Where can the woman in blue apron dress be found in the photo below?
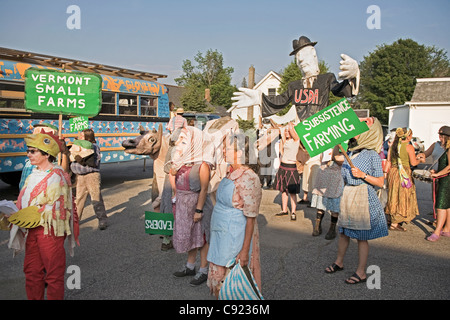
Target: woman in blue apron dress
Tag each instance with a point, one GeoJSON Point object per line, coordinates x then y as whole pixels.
{"type": "Point", "coordinates": [234, 232]}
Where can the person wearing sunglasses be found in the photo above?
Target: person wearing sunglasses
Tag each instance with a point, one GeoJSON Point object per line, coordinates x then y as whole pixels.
{"type": "Point", "coordinates": [28, 167]}
{"type": "Point", "coordinates": [48, 190]}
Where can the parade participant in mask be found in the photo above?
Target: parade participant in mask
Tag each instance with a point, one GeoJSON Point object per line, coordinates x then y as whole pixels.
{"type": "Point", "coordinates": [190, 164]}
{"type": "Point", "coordinates": [46, 199]}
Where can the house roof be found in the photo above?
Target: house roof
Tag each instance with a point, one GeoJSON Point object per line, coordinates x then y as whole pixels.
{"type": "Point", "coordinates": [267, 76]}
{"type": "Point", "coordinates": [431, 90]}
{"type": "Point", "coordinates": [175, 93]}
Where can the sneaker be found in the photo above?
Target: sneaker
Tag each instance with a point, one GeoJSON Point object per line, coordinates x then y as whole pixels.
{"type": "Point", "coordinates": [184, 272]}
{"type": "Point", "coordinates": [199, 278]}
{"type": "Point", "coordinates": [102, 226]}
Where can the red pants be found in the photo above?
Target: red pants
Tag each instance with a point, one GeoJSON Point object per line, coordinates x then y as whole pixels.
{"type": "Point", "coordinates": [45, 262]}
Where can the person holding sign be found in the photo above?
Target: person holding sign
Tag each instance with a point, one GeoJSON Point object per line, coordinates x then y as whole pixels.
{"type": "Point", "coordinates": [234, 229]}
{"type": "Point", "coordinates": [88, 181]}
{"type": "Point", "coordinates": [311, 93]}
{"type": "Point", "coordinates": [287, 179]}
{"type": "Point", "coordinates": [402, 199]}
{"type": "Point", "coordinates": [190, 164]}
{"type": "Point", "coordinates": [361, 215]}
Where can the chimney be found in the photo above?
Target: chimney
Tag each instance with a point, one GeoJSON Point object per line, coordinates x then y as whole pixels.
{"type": "Point", "coordinates": [251, 84]}
{"type": "Point", "coordinates": [207, 95]}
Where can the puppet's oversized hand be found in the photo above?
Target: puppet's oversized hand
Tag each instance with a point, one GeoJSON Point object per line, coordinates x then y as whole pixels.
{"type": "Point", "coordinates": [245, 98]}
{"type": "Point", "coordinates": [349, 68]}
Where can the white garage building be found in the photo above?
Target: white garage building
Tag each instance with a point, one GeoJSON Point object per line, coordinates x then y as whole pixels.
{"type": "Point", "coordinates": [428, 110]}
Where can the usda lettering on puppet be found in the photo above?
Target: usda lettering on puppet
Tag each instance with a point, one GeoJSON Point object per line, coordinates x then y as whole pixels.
{"type": "Point", "coordinates": [71, 93]}
{"type": "Point", "coordinates": [329, 127]}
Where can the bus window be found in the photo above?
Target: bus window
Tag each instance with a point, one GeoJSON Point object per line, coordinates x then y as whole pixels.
{"type": "Point", "coordinates": [148, 106]}
{"type": "Point", "coordinates": [12, 96]}
{"type": "Point", "coordinates": [127, 104]}
{"type": "Point", "coordinates": [108, 103]}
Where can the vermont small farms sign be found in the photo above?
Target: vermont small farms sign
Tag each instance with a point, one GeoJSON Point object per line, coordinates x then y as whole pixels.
{"type": "Point", "coordinates": [330, 127]}
{"type": "Point", "coordinates": [159, 223]}
{"type": "Point", "coordinates": [70, 93]}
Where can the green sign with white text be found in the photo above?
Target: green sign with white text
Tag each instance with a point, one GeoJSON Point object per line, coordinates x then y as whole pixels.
{"type": "Point", "coordinates": [78, 124]}
{"type": "Point", "coordinates": [159, 223]}
{"type": "Point", "coordinates": [330, 127]}
{"type": "Point", "coordinates": [56, 92]}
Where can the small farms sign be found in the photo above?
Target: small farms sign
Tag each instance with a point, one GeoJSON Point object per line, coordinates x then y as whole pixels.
{"type": "Point", "coordinates": [79, 123]}
{"type": "Point", "coordinates": [329, 127]}
{"type": "Point", "coordinates": [56, 92]}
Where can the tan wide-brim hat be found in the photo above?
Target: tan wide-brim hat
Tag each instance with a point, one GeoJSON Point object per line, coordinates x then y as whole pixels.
{"type": "Point", "coordinates": [179, 111]}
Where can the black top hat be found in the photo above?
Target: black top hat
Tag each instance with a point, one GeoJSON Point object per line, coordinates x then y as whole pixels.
{"type": "Point", "coordinates": [300, 43]}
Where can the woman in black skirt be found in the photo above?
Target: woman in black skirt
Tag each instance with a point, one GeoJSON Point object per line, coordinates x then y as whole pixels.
{"type": "Point", "coordinates": [287, 178]}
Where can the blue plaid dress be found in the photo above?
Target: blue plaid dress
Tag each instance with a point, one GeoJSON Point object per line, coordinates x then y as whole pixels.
{"type": "Point", "coordinates": [370, 162]}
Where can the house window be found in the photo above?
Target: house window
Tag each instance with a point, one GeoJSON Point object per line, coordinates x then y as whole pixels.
{"type": "Point", "coordinates": [149, 106]}
{"type": "Point", "coordinates": [272, 92]}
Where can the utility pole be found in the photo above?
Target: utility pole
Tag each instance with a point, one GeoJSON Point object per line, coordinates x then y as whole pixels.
{"type": "Point", "coordinates": [251, 84]}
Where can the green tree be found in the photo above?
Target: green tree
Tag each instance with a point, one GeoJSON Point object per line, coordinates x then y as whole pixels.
{"type": "Point", "coordinates": [388, 75]}
{"type": "Point", "coordinates": [210, 73]}
{"type": "Point", "coordinates": [292, 73]}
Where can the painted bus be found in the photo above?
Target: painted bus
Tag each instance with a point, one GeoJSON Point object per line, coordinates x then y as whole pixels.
{"type": "Point", "coordinates": [130, 99]}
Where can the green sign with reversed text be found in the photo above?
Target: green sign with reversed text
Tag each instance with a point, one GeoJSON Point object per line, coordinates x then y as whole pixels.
{"type": "Point", "coordinates": [56, 92]}
{"type": "Point", "coordinates": [329, 127]}
{"type": "Point", "coordinates": [159, 223]}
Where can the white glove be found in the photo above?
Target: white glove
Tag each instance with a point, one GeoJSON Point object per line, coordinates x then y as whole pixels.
{"type": "Point", "coordinates": [245, 98]}
{"type": "Point", "coordinates": [349, 67]}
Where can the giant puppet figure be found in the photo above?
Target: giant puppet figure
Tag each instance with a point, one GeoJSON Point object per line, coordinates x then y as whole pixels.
{"type": "Point", "coordinates": [310, 94]}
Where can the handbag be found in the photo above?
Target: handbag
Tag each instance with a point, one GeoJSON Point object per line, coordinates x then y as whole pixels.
{"type": "Point", "coordinates": [239, 284]}
{"type": "Point", "coordinates": [354, 208]}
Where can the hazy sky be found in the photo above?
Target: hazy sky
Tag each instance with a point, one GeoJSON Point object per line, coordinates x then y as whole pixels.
{"type": "Point", "coordinates": [156, 36]}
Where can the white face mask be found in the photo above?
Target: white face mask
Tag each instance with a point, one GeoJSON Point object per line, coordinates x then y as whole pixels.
{"type": "Point", "coordinates": [307, 61]}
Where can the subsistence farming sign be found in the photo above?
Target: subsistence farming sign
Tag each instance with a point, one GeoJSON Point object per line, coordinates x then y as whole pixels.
{"type": "Point", "coordinates": [70, 93]}
{"type": "Point", "coordinates": [329, 127]}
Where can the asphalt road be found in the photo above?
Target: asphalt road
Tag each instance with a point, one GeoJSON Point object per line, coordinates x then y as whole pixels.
{"type": "Point", "coordinates": [124, 263]}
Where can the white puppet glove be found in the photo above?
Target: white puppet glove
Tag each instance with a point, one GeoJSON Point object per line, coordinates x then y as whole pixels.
{"type": "Point", "coordinates": [350, 70]}
{"type": "Point", "coordinates": [349, 67]}
{"type": "Point", "coordinates": [245, 98]}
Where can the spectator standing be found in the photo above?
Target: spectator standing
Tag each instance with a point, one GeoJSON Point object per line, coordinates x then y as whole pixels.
{"type": "Point", "coordinates": [442, 197]}
{"type": "Point", "coordinates": [287, 179]}
{"type": "Point", "coordinates": [402, 199]}
{"type": "Point", "coordinates": [178, 121]}
{"type": "Point", "coordinates": [327, 193]}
